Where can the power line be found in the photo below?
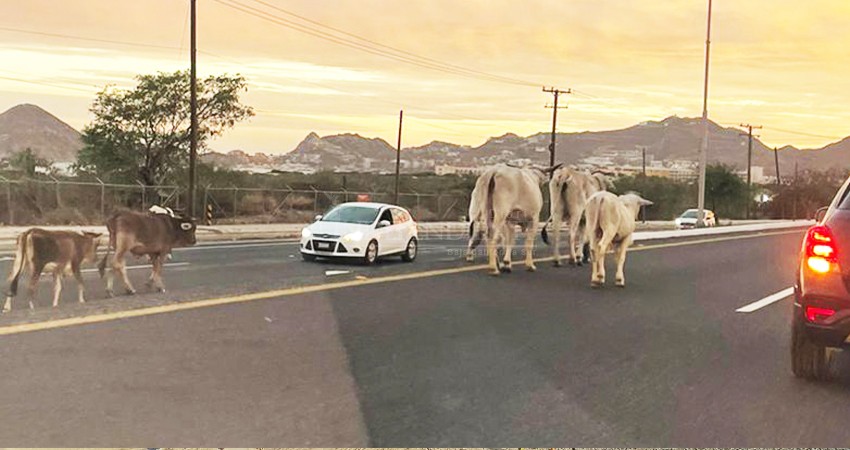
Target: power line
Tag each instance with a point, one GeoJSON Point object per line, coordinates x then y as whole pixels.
{"type": "Point", "coordinates": [42, 83]}
{"type": "Point", "coordinates": [395, 49]}
{"type": "Point", "coordinates": [802, 133]}
{"type": "Point", "coordinates": [89, 39]}
{"type": "Point", "coordinates": [371, 49]}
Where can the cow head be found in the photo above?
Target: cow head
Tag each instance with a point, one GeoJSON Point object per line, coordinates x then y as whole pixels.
{"type": "Point", "coordinates": [184, 231]}
{"type": "Point", "coordinates": [542, 173]}
{"type": "Point", "coordinates": [634, 202]}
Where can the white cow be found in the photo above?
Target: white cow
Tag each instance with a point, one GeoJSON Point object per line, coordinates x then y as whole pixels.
{"type": "Point", "coordinates": [611, 220]}
{"type": "Point", "coordinates": [505, 196]}
{"type": "Point", "coordinates": [569, 190]}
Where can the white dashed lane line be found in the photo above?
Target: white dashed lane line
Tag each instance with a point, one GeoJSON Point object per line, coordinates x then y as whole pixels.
{"type": "Point", "coordinates": [769, 300]}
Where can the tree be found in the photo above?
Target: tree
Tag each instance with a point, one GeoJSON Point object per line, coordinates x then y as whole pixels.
{"type": "Point", "coordinates": [143, 134]}
{"type": "Point", "coordinates": [27, 162]}
{"type": "Point", "coordinates": [725, 192]}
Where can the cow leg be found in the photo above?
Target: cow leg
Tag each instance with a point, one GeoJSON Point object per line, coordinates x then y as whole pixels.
{"type": "Point", "coordinates": [119, 265]}
{"type": "Point", "coordinates": [8, 305]}
{"type": "Point", "coordinates": [601, 250]}
{"type": "Point", "coordinates": [156, 273]}
{"type": "Point", "coordinates": [153, 259]}
{"type": "Point", "coordinates": [531, 229]}
{"type": "Point", "coordinates": [57, 286]}
{"type": "Point", "coordinates": [493, 235]}
{"type": "Point", "coordinates": [557, 217]}
{"type": "Point", "coordinates": [574, 239]}
{"type": "Point", "coordinates": [33, 286]}
{"type": "Point", "coordinates": [620, 279]}
{"type": "Point", "coordinates": [75, 268]}
{"type": "Point", "coordinates": [508, 246]}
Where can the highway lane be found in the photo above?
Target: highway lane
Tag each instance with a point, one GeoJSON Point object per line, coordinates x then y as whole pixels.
{"type": "Point", "coordinates": [454, 360]}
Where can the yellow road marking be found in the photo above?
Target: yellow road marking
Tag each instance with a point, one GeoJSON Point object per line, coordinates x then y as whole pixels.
{"type": "Point", "coordinates": [106, 317]}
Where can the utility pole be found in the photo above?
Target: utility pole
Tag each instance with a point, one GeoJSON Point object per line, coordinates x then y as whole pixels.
{"type": "Point", "coordinates": [704, 144]}
{"type": "Point", "coordinates": [398, 154]}
{"type": "Point", "coordinates": [193, 89]}
{"type": "Point", "coordinates": [749, 162]}
{"type": "Point", "coordinates": [776, 158]}
{"type": "Point", "coordinates": [643, 154]}
{"type": "Point", "coordinates": [556, 93]}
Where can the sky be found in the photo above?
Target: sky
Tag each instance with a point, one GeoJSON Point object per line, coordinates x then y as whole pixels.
{"type": "Point", "coordinates": [320, 65]}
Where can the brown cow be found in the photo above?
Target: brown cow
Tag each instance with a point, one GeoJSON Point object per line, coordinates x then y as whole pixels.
{"type": "Point", "coordinates": [65, 251]}
{"type": "Point", "coordinates": [151, 235]}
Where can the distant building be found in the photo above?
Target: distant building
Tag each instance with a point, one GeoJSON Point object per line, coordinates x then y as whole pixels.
{"type": "Point", "coordinates": [675, 173]}
{"type": "Point", "coordinates": [458, 170]}
{"type": "Point", "coordinates": [758, 175]}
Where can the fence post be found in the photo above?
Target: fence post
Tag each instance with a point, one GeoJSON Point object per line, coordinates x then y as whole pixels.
{"type": "Point", "coordinates": [235, 194]}
{"type": "Point", "coordinates": [315, 200]}
{"type": "Point", "coordinates": [9, 199]}
{"type": "Point", "coordinates": [58, 196]}
{"type": "Point", "coordinates": [102, 199]}
{"type": "Point", "coordinates": [144, 195]}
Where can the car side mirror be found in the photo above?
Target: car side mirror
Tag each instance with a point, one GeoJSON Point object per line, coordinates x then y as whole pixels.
{"type": "Point", "coordinates": [317, 218]}
{"type": "Point", "coordinates": [821, 213]}
{"type": "Point", "coordinates": [383, 224]}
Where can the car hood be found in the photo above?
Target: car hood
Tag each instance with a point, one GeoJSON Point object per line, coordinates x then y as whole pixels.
{"type": "Point", "coordinates": [336, 228]}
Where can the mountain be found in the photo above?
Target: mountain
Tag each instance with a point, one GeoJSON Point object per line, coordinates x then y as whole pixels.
{"type": "Point", "coordinates": [671, 140]}
{"type": "Point", "coordinates": [237, 159]}
{"type": "Point", "coordinates": [28, 126]}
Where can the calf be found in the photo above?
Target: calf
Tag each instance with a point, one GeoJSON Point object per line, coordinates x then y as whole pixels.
{"type": "Point", "coordinates": [62, 252]}
{"type": "Point", "coordinates": [569, 190]}
{"type": "Point", "coordinates": [503, 197]}
{"type": "Point", "coordinates": [151, 235]}
{"type": "Point", "coordinates": [611, 220]}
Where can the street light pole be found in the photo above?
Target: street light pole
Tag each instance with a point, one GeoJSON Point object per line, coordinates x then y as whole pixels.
{"type": "Point", "coordinates": [398, 154]}
{"type": "Point", "coordinates": [704, 144]}
{"type": "Point", "coordinates": [193, 88]}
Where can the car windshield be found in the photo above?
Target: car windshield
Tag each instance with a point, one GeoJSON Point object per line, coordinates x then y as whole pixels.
{"type": "Point", "coordinates": [362, 215]}
{"type": "Point", "coordinates": [689, 214]}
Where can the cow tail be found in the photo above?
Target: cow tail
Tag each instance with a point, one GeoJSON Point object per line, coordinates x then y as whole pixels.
{"type": "Point", "coordinates": [544, 234]}
{"type": "Point", "coordinates": [110, 227]}
{"type": "Point", "coordinates": [491, 187]}
{"type": "Point", "coordinates": [20, 258]}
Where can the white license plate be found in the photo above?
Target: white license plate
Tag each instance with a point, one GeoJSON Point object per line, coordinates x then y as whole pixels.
{"type": "Point", "coordinates": [323, 246]}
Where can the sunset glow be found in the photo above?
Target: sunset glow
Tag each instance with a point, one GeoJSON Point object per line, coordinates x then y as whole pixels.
{"type": "Point", "coordinates": [779, 63]}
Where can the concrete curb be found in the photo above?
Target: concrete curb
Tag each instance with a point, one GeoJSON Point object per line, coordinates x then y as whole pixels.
{"type": "Point", "coordinates": [648, 231]}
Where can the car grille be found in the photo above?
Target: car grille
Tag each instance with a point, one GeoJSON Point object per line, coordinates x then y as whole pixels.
{"type": "Point", "coordinates": [326, 236]}
{"type": "Point", "coordinates": [324, 246]}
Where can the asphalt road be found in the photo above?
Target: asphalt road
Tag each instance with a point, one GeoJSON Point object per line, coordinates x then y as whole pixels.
{"type": "Point", "coordinates": [453, 358]}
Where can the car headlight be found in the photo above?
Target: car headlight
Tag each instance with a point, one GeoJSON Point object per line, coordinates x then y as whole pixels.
{"type": "Point", "coordinates": [306, 233]}
{"type": "Point", "coordinates": [353, 237]}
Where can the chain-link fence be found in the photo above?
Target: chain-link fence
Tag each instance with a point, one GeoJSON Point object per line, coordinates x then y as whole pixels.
{"type": "Point", "coordinates": [59, 202]}
{"type": "Point", "coordinates": [235, 204]}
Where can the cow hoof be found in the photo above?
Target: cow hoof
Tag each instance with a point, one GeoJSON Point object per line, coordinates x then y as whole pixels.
{"type": "Point", "coordinates": [506, 268]}
{"type": "Point", "coordinates": [495, 273]}
{"type": "Point", "coordinates": [595, 284]}
{"type": "Point", "coordinates": [531, 268]}
{"type": "Point", "coordinates": [557, 263]}
{"type": "Point", "coordinates": [470, 259]}
{"type": "Point", "coordinates": [130, 292]}
{"type": "Point", "coordinates": [160, 290]}
{"type": "Point", "coordinates": [109, 293]}
{"type": "Point", "coordinates": [620, 283]}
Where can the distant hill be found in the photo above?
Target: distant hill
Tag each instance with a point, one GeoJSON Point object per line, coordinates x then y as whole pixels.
{"type": "Point", "coordinates": [28, 126]}
{"type": "Point", "coordinates": [673, 138]}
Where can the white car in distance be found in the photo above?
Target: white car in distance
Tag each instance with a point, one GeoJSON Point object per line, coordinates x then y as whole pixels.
{"type": "Point", "coordinates": [688, 219]}
{"type": "Point", "coordinates": [361, 230]}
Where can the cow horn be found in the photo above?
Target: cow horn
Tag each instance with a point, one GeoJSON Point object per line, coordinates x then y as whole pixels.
{"type": "Point", "coordinates": [553, 168]}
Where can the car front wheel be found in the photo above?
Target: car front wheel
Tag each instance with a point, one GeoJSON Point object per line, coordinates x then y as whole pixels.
{"type": "Point", "coordinates": [808, 360]}
{"type": "Point", "coordinates": [410, 252]}
{"type": "Point", "coordinates": [371, 253]}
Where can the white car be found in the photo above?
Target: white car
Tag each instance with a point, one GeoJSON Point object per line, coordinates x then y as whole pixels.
{"type": "Point", "coordinates": [361, 230]}
{"type": "Point", "coordinates": [688, 219]}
